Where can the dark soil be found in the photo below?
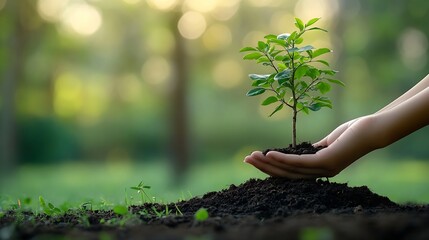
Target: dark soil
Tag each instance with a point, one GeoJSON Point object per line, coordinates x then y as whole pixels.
{"type": "Point", "coordinates": [302, 148]}
{"type": "Point", "coordinates": [273, 208]}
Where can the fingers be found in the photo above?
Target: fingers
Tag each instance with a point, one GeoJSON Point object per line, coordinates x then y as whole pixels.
{"type": "Point", "coordinates": [276, 166]}
{"type": "Point", "coordinates": [321, 143]}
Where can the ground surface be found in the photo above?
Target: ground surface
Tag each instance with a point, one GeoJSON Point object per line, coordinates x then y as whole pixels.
{"type": "Point", "coordinates": [257, 209]}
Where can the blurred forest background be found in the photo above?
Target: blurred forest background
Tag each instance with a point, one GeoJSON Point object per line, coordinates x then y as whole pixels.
{"type": "Point", "coordinates": [157, 88]}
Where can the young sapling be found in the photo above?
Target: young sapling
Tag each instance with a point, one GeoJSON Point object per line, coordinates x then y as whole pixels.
{"type": "Point", "coordinates": [299, 76]}
{"type": "Point", "coordinates": [140, 188]}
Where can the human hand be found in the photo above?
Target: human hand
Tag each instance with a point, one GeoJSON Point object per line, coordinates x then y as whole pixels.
{"type": "Point", "coordinates": [343, 146]}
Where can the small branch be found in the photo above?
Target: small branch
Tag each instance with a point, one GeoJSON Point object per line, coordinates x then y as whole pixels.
{"type": "Point", "coordinates": [271, 62]}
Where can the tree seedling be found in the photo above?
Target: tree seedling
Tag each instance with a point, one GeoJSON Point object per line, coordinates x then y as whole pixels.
{"type": "Point", "coordinates": [141, 190]}
{"type": "Point", "coordinates": [299, 77]}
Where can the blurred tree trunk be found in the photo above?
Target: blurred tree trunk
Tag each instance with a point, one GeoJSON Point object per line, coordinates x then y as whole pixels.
{"type": "Point", "coordinates": [179, 108]}
{"type": "Point", "coordinates": [338, 91]}
{"type": "Point", "coordinates": [11, 75]}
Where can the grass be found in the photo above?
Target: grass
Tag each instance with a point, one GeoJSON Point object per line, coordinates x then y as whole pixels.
{"type": "Point", "coordinates": [106, 185]}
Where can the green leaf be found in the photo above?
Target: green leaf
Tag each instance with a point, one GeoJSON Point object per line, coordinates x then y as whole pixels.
{"type": "Point", "coordinates": [278, 108]}
{"type": "Point", "coordinates": [312, 21]}
{"type": "Point", "coordinates": [323, 87]}
{"type": "Point", "coordinates": [323, 62]}
{"type": "Point", "coordinates": [269, 101]}
{"type": "Point", "coordinates": [313, 73]}
{"type": "Point", "coordinates": [324, 101]}
{"type": "Point", "coordinates": [303, 49]}
{"type": "Point", "coordinates": [270, 36]}
{"type": "Point", "coordinates": [254, 55]}
{"type": "Point", "coordinates": [329, 72]}
{"type": "Point", "coordinates": [262, 46]}
{"type": "Point", "coordinates": [292, 36]}
{"type": "Point", "coordinates": [42, 202]}
{"type": "Point", "coordinates": [201, 215]}
{"type": "Point", "coordinates": [259, 76]}
{"type": "Point", "coordinates": [299, 40]}
{"type": "Point", "coordinates": [281, 66]}
{"type": "Point", "coordinates": [301, 106]}
{"type": "Point", "coordinates": [299, 24]}
{"type": "Point", "coordinates": [301, 71]}
{"type": "Point", "coordinates": [263, 59]}
{"type": "Point", "coordinates": [315, 107]}
{"type": "Point", "coordinates": [320, 51]}
{"type": "Point", "coordinates": [120, 209]}
{"type": "Point", "coordinates": [248, 49]}
{"type": "Point", "coordinates": [278, 41]}
{"type": "Point", "coordinates": [283, 36]}
{"type": "Point", "coordinates": [286, 74]}
{"type": "Point", "coordinates": [306, 48]}
{"type": "Point", "coordinates": [336, 82]}
{"type": "Point", "coordinates": [317, 28]}
{"type": "Point", "coordinates": [260, 83]}
{"type": "Point", "coordinates": [255, 91]}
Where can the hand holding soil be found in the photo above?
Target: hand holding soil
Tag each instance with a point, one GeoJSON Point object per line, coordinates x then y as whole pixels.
{"type": "Point", "coordinates": [353, 139]}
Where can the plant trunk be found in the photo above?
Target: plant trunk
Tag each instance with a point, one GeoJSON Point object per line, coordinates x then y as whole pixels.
{"type": "Point", "coordinates": [295, 113]}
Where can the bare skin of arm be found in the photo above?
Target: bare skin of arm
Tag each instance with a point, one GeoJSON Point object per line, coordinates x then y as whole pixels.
{"type": "Point", "coordinates": [353, 139]}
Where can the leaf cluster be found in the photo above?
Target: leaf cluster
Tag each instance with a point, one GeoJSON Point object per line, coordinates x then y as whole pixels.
{"type": "Point", "coordinates": [300, 76]}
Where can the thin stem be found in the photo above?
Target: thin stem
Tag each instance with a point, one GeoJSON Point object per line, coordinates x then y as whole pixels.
{"type": "Point", "coordinates": [295, 100]}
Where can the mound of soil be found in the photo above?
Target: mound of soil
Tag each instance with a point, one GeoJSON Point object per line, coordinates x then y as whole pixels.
{"type": "Point", "coordinates": [272, 208]}
{"type": "Point", "coordinates": [279, 197]}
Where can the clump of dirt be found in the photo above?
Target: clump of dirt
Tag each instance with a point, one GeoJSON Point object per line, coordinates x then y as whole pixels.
{"type": "Point", "coordinates": [280, 197]}
{"type": "Point", "coordinates": [302, 148]}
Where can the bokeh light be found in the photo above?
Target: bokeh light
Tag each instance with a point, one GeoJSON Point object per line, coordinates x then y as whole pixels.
{"type": "Point", "coordinates": [413, 46]}
{"type": "Point", "coordinates": [252, 38]}
{"type": "Point", "coordinates": [192, 25]}
{"type": "Point", "coordinates": [160, 40]}
{"type": "Point", "coordinates": [225, 9]}
{"type": "Point", "coordinates": [130, 88]}
{"type": "Point", "coordinates": [201, 6]}
{"type": "Point", "coordinates": [131, 2]}
{"type": "Point", "coordinates": [308, 9]}
{"type": "Point", "coordinates": [68, 95]}
{"type": "Point", "coordinates": [265, 3]}
{"type": "Point", "coordinates": [217, 37]}
{"type": "Point", "coordinates": [164, 5]}
{"type": "Point", "coordinates": [282, 22]}
{"type": "Point", "coordinates": [51, 10]}
{"type": "Point", "coordinates": [156, 70]}
{"type": "Point", "coordinates": [96, 95]}
{"type": "Point", "coordinates": [82, 18]}
{"type": "Point", "coordinates": [227, 73]}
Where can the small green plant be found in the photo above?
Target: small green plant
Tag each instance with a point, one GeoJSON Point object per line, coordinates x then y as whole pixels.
{"type": "Point", "coordinates": [201, 215]}
{"type": "Point", "coordinates": [297, 81]}
{"type": "Point", "coordinates": [140, 188]}
{"type": "Point", "coordinates": [48, 208]}
{"type": "Point", "coordinates": [121, 210]}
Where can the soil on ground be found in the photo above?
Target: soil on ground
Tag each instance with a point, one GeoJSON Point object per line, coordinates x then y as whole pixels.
{"type": "Point", "coordinates": [272, 208]}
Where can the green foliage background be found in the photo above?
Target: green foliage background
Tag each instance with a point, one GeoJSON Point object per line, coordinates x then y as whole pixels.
{"type": "Point", "coordinates": [104, 97]}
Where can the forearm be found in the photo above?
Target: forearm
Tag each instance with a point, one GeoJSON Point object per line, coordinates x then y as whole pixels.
{"type": "Point", "coordinates": [423, 84]}
{"type": "Point", "coordinates": [405, 118]}
{"type": "Point", "coordinates": [377, 131]}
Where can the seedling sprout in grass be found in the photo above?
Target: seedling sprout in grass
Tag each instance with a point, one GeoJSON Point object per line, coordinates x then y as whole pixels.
{"type": "Point", "coordinates": [140, 188]}
{"type": "Point", "coordinates": [48, 208]}
{"type": "Point", "coordinates": [297, 81]}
